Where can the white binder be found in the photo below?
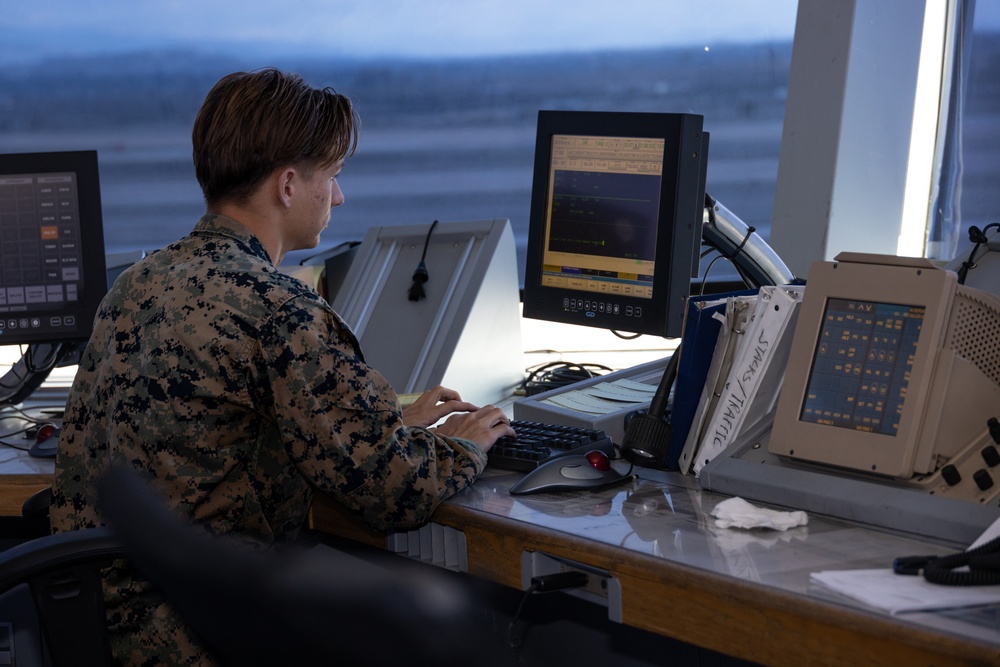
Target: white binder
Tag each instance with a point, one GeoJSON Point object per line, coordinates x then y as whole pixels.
{"type": "Point", "coordinates": [755, 375]}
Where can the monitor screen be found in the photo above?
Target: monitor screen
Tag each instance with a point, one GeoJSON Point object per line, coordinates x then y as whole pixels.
{"type": "Point", "coordinates": [615, 223]}
{"type": "Point", "coordinates": [51, 247]}
{"type": "Point", "coordinates": [862, 365]}
{"type": "Point", "coordinates": [861, 368]}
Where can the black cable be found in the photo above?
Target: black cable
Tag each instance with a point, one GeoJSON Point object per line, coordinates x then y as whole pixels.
{"type": "Point", "coordinates": [983, 563]}
{"type": "Point", "coordinates": [23, 448]}
{"type": "Point", "coordinates": [545, 583]}
{"type": "Point", "coordinates": [556, 374]}
{"type": "Point", "coordinates": [26, 375]}
{"type": "Point", "coordinates": [19, 413]}
{"type": "Point", "coordinates": [32, 425]}
{"type": "Point", "coordinates": [747, 266]}
{"type": "Point", "coordinates": [17, 379]}
{"type": "Point", "coordinates": [979, 237]}
{"type": "Point", "coordinates": [738, 249]}
{"type": "Point", "coordinates": [512, 640]}
{"type": "Point", "coordinates": [740, 271]}
{"type": "Point", "coordinates": [420, 275]}
{"type": "Point", "coordinates": [49, 361]}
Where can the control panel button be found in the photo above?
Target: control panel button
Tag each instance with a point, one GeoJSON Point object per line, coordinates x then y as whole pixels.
{"type": "Point", "coordinates": [991, 456]}
{"type": "Point", "coordinates": [951, 475]}
{"type": "Point", "coordinates": [982, 479]}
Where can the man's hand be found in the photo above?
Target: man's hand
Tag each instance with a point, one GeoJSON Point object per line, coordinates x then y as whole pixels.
{"type": "Point", "coordinates": [484, 426]}
{"type": "Point", "coordinates": [432, 405]}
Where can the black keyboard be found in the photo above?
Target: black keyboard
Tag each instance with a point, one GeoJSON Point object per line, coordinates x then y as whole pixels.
{"type": "Point", "coordinates": [536, 443]}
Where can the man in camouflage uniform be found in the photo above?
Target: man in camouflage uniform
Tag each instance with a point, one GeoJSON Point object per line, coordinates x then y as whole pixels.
{"type": "Point", "coordinates": [235, 387]}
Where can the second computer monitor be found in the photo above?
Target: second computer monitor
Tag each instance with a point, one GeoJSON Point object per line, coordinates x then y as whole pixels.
{"type": "Point", "coordinates": [615, 225]}
{"type": "Point", "coordinates": [52, 262]}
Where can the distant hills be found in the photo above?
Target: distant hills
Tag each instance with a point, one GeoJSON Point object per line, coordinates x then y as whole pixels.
{"type": "Point", "coordinates": [166, 87]}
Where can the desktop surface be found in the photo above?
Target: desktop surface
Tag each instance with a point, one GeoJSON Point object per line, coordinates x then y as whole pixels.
{"type": "Point", "coordinates": [734, 591]}
{"type": "Point", "coordinates": [746, 593]}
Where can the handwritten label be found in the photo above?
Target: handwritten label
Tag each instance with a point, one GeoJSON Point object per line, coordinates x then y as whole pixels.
{"type": "Point", "coordinates": [736, 401]}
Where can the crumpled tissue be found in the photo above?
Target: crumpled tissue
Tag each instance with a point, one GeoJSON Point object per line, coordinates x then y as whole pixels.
{"type": "Point", "coordinates": [738, 513]}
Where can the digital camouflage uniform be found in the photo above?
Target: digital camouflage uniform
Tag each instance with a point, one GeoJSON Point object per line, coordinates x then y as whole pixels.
{"type": "Point", "coordinates": [240, 391]}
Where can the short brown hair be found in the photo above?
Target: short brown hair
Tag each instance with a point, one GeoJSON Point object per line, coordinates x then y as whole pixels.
{"type": "Point", "coordinates": [251, 124]}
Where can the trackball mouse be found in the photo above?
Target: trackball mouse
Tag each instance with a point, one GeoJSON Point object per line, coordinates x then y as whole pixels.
{"type": "Point", "coordinates": [570, 473]}
{"type": "Point", "coordinates": [46, 441]}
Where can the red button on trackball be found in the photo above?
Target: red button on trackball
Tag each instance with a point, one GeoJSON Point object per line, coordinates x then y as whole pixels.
{"type": "Point", "coordinates": [598, 459]}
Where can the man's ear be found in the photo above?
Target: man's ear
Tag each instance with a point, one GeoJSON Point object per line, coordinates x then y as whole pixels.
{"type": "Point", "coordinates": [285, 184]}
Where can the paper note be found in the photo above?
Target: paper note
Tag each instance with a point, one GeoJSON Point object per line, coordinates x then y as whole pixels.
{"type": "Point", "coordinates": [896, 593]}
{"type": "Point", "coordinates": [604, 397]}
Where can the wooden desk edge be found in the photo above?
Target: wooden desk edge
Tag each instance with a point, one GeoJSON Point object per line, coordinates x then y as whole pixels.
{"type": "Point", "coordinates": [724, 614]}
{"type": "Point", "coordinates": [15, 489]}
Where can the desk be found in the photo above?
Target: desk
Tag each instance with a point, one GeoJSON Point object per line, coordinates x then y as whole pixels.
{"type": "Point", "coordinates": [21, 475]}
{"type": "Point", "coordinates": [745, 594]}
{"type": "Point", "coordinates": [742, 593]}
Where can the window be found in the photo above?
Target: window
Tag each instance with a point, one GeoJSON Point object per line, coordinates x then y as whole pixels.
{"type": "Point", "coordinates": [447, 96]}
{"type": "Point", "coordinates": [448, 113]}
{"type": "Point", "coordinates": [978, 193]}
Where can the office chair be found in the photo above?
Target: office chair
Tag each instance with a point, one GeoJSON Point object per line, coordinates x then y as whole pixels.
{"type": "Point", "coordinates": [293, 606]}
{"type": "Point", "coordinates": [284, 606]}
{"type": "Point", "coordinates": [32, 523]}
{"type": "Point", "coordinates": [51, 604]}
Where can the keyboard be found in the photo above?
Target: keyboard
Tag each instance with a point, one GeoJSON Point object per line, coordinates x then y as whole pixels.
{"type": "Point", "coordinates": [537, 443]}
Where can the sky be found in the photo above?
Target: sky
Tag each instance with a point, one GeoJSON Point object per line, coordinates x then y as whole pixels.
{"type": "Point", "coordinates": [33, 29]}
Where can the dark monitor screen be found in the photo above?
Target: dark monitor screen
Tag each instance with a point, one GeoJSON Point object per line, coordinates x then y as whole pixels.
{"type": "Point", "coordinates": [51, 247]}
{"type": "Point", "coordinates": [615, 224]}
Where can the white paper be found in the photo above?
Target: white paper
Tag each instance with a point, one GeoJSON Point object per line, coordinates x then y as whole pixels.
{"type": "Point", "coordinates": [900, 593]}
{"type": "Point", "coordinates": [604, 397]}
{"type": "Point", "coordinates": [989, 534]}
{"type": "Point", "coordinates": [584, 402]}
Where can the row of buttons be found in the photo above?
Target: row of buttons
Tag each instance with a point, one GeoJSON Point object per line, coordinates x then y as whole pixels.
{"type": "Point", "coordinates": [991, 457]}
{"type": "Point", "coordinates": [601, 307]}
{"type": "Point", "coordinates": [35, 322]}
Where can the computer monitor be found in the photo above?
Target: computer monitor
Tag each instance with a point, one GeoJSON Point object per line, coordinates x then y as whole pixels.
{"type": "Point", "coordinates": [51, 247]}
{"type": "Point", "coordinates": [615, 223]}
{"type": "Point", "coordinates": [464, 332]}
{"type": "Point", "coordinates": [894, 370]}
{"type": "Point", "coordinates": [886, 415]}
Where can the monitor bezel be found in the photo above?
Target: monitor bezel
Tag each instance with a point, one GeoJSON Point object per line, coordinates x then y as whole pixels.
{"type": "Point", "coordinates": [85, 165]}
{"type": "Point", "coordinates": [875, 278]}
{"type": "Point", "coordinates": [682, 198]}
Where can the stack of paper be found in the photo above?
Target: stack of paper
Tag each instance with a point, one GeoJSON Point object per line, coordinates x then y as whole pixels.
{"type": "Point", "coordinates": [604, 397]}
{"type": "Point", "coordinates": [897, 594]}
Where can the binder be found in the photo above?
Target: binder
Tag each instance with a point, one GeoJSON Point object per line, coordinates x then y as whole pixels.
{"type": "Point", "coordinates": [756, 372]}
{"type": "Point", "coordinates": [733, 321]}
{"type": "Point", "coordinates": [698, 340]}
